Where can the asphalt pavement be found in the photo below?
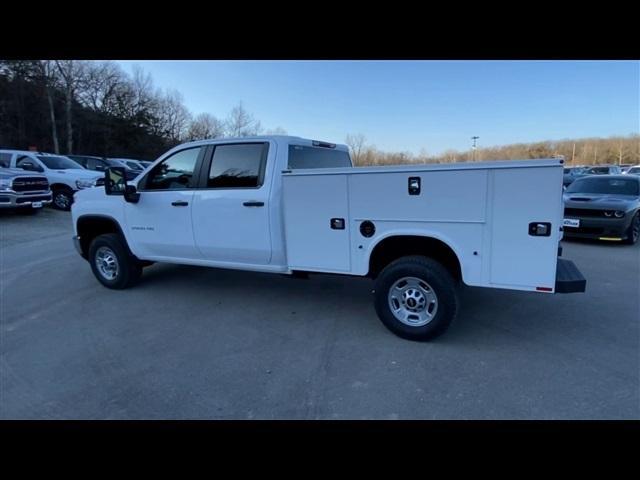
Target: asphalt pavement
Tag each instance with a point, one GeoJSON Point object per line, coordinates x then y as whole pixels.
{"type": "Point", "coordinates": [198, 343]}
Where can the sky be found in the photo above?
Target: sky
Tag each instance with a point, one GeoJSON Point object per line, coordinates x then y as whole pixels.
{"type": "Point", "coordinates": [416, 106]}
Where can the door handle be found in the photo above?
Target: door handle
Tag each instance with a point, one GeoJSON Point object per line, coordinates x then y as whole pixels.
{"type": "Point", "coordinates": [179, 203]}
{"type": "Point", "coordinates": [253, 204]}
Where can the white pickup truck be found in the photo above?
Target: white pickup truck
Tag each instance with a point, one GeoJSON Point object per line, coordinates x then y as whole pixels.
{"type": "Point", "coordinates": [291, 206]}
{"type": "Point", "coordinates": [64, 175]}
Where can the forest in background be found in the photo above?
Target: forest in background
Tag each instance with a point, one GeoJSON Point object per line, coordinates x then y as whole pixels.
{"type": "Point", "coordinates": [96, 108]}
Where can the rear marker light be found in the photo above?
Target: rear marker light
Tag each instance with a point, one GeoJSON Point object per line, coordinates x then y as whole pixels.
{"type": "Point", "coordinates": [544, 289]}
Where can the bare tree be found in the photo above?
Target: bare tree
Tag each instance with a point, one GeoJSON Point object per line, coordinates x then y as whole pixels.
{"type": "Point", "coordinates": [205, 126]}
{"type": "Point", "coordinates": [241, 123]}
{"type": "Point", "coordinates": [356, 145]}
{"type": "Point", "coordinates": [72, 75]}
{"type": "Point", "coordinates": [49, 80]}
{"type": "Point", "coordinates": [174, 116]}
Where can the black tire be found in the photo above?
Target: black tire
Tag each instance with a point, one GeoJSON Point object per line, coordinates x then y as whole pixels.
{"type": "Point", "coordinates": [633, 232]}
{"type": "Point", "coordinates": [437, 277]}
{"type": "Point", "coordinates": [62, 198]}
{"type": "Point", "coordinates": [129, 269]}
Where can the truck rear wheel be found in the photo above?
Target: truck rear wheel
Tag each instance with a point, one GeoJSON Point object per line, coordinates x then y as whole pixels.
{"type": "Point", "coordinates": [415, 298]}
{"type": "Point", "coordinates": [111, 262]}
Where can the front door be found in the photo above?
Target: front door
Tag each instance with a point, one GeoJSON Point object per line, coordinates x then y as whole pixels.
{"type": "Point", "coordinates": [160, 223]}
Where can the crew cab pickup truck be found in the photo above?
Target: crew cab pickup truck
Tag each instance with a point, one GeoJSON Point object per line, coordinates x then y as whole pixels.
{"type": "Point", "coordinates": [291, 206]}
{"type": "Point", "coordinates": [64, 175]}
{"type": "Point", "coordinates": [24, 192]}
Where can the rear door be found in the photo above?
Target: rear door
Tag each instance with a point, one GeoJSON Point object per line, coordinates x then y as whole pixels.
{"type": "Point", "coordinates": [231, 207]}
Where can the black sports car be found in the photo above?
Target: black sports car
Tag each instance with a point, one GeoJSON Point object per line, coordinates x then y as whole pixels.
{"type": "Point", "coordinates": [606, 207]}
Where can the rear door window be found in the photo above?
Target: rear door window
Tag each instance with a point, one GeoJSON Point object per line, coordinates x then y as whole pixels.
{"type": "Point", "coordinates": [238, 165]}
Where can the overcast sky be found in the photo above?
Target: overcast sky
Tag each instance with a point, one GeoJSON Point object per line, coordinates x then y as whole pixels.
{"type": "Point", "coordinates": [415, 105]}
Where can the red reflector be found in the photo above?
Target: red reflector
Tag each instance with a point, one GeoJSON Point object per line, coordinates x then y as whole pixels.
{"type": "Point", "coordinates": [544, 289]}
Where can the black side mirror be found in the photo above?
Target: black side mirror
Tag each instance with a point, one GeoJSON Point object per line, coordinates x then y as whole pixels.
{"type": "Point", "coordinates": [30, 167]}
{"type": "Point", "coordinates": [115, 183]}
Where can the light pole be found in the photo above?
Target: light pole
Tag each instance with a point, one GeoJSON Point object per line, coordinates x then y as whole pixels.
{"type": "Point", "coordinates": [474, 146]}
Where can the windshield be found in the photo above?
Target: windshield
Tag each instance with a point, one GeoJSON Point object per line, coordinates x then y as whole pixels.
{"type": "Point", "coordinates": [312, 157]}
{"type": "Point", "coordinates": [615, 186]}
{"type": "Point", "coordinates": [634, 170]}
{"type": "Point", "coordinates": [58, 163]}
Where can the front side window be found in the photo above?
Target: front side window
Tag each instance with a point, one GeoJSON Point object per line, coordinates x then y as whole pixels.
{"type": "Point", "coordinates": [174, 173]}
{"type": "Point", "coordinates": [58, 163]}
{"type": "Point", "coordinates": [27, 163]}
{"type": "Point", "coordinates": [237, 166]}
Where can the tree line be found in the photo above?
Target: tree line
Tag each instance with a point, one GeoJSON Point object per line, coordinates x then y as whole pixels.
{"type": "Point", "coordinates": [584, 151]}
{"type": "Point", "coordinates": [96, 108]}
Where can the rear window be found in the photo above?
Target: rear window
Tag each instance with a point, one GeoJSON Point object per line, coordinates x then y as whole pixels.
{"type": "Point", "coordinates": [612, 186]}
{"type": "Point", "coordinates": [317, 157]}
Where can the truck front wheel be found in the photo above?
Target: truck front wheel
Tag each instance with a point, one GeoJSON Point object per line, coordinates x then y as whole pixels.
{"type": "Point", "coordinates": [415, 297]}
{"type": "Point", "coordinates": [111, 262]}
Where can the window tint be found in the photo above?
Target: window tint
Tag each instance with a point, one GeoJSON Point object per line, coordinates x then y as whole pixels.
{"type": "Point", "coordinates": [58, 163]}
{"type": "Point", "coordinates": [174, 173]}
{"type": "Point", "coordinates": [25, 159]}
{"type": "Point", "coordinates": [235, 166]}
{"type": "Point", "coordinates": [317, 157]}
{"type": "Point", "coordinates": [5, 159]}
{"type": "Point", "coordinates": [95, 164]}
{"type": "Point", "coordinates": [614, 186]}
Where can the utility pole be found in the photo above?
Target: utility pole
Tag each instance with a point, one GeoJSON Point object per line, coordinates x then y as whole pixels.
{"type": "Point", "coordinates": [474, 146]}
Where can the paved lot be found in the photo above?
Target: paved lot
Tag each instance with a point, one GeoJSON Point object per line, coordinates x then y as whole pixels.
{"type": "Point", "coordinates": [192, 342]}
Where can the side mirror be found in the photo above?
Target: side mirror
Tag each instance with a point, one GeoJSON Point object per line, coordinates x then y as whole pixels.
{"type": "Point", "coordinates": [29, 166]}
{"type": "Point", "coordinates": [115, 183]}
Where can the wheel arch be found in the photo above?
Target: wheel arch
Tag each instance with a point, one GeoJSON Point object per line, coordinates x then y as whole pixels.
{"type": "Point", "coordinates": [400, 244]}
{"type": "Point", "coordinates": [90, 226]}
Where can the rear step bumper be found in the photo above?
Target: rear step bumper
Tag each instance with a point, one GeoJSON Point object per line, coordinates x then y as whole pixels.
{"type": "Point", "coordinates": [568, 277]}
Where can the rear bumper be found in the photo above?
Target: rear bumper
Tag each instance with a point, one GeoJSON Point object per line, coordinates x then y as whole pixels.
{"type": "Point", "coordinates": [568, 278]}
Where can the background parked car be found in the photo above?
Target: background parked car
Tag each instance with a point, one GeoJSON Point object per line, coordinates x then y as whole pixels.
{"type": "Point", "coordinates": [130, 163]}
{"type": "Point", "coordinates": [603, 207]}
{"type": "Point", "coordinates": [22, 191]}
{"type": "Point", "coordinates": [603, 170]}
{"type": "Point", "coordinates": [65, 176]}
{"type": "Point", "coordinates": [571, 173]}
{"type": "Point", "coordinates": [101, 164]}
{"type": "Point", "coordinates": [633, 170]}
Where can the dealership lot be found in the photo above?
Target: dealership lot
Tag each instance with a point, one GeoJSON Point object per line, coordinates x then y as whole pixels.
{"type": "Point", "coordinates": [192, 342]}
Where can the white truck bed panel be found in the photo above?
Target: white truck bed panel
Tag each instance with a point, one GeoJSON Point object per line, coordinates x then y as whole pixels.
{"type": "Point", "coordinates": [482, 211]}
{"type": "Point", "coordinates": [309, 204]}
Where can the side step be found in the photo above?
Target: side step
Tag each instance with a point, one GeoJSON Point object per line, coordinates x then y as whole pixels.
{"type": "Point", "coordinates": [568, 277]}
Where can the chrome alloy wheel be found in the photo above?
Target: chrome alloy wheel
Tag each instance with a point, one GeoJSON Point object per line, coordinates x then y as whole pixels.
{"type": "Point", "coordinates": [413, 301]}
{"type": "Point", "coordinates": [107, 263]}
